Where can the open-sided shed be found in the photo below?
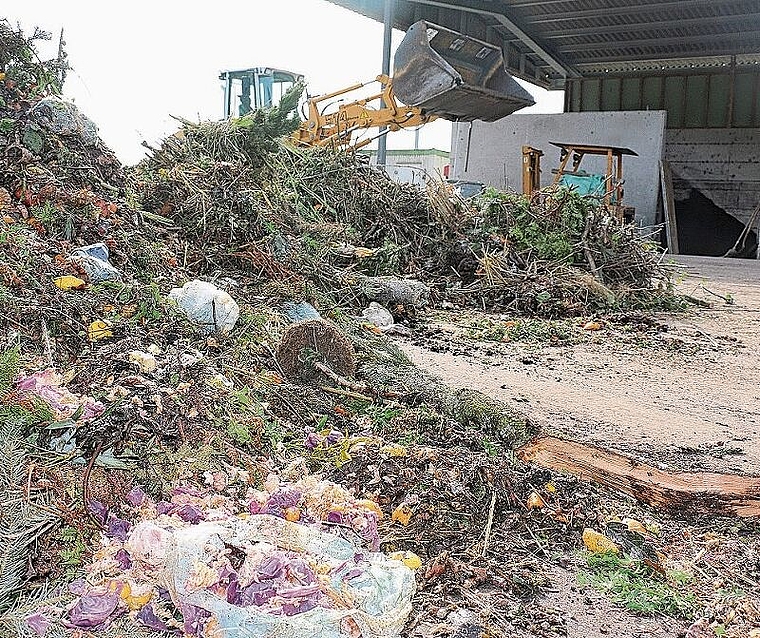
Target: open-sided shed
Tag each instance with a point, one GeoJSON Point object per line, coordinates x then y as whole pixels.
{"type": "Point", "coordinates": [549, 41]}
{"type": "Point", "coordinates": [698, 60]}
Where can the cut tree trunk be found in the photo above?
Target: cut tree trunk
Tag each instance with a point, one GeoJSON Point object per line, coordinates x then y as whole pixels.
{"type": "Point", "coordinates": [680, 492]}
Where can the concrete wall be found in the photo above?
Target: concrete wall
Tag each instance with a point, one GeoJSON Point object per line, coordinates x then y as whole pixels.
{"type": "Point", "coordinates": [724, 164]}
{"type": "Point", "coordinates": [493, 154]}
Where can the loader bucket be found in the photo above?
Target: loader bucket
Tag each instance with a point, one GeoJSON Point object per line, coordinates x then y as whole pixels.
{"type": "Point", "coordinates": [453, 76]}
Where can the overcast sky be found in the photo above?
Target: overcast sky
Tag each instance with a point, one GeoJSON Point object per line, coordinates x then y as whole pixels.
{"type": "Point", "coordinates": [137, 63]}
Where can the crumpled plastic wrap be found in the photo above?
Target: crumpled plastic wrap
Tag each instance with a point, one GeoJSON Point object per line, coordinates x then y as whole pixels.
{"type": "Point", "coordinates": [371, 593]}
{"type": "Point", "coordinates": [94, 260]}
{"type": "Point", "coordinates": [378, 315]}
{"type": "Point", "coordinates": [296, 559]}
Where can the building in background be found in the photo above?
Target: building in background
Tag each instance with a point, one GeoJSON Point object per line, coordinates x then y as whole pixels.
{"type": "Point", "coordinates": [413, 165]}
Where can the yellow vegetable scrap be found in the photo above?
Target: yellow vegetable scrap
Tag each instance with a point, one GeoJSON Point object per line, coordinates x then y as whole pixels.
{"type": "Point", "coordinates": [69, 282]}
{"type": "Point", "coordinates": [410, 559]}
{"type": "Point", "coordinates": [99, 329]}
{"type": "Point", "coordinates": [535, 502]}
{"type": "Point", "coordinates": [598, 543]}
{"type": "Point", "coordinates": [402, 514]}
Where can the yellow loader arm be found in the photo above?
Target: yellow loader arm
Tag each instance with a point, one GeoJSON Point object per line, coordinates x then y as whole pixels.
{"type": "Point", "coordinates": [337, 128]}
{"type": "Point", "coordinates": [437, 73]}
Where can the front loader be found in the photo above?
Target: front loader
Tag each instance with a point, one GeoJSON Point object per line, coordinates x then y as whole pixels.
{"type": "Point", "coordinates": [438, 73]}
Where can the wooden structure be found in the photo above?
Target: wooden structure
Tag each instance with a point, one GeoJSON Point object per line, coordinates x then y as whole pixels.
{"type": "Point", "coordinates": [669, 207]}
{"type": "Point", "coordinates": [571, 157]}
{"type": "Point", "coordinates": [613, 176]}
{"type": "Point", "coordinates": [531, 169]}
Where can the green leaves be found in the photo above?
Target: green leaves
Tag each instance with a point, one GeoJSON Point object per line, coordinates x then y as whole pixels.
{"type": "Point", "coordinates": [552, 229]}
{"type": "Point", "coordinates": [21, 64]}
{"type": "Point", "coordinates": [14, 414]}
{"type": "Point", "coordinates": [9, 369]}
{"type": "Point", "coordinates": [637, 587]}
{"type": "Point", "coordinates": [263, 128]}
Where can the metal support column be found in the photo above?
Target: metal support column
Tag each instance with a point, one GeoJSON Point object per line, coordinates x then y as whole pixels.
{"type": "Point", "coordinates": [382, 143]}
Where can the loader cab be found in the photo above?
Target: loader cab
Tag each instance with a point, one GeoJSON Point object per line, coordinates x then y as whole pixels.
{"type": "Point", "coordinates": [260, 87]}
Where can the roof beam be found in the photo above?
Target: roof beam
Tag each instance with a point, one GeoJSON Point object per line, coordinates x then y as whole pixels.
{"type": "Point", "coordinates": [640, 6]}
{"type": "Point", "coordinates": [532, 3]}
{"type": "Point", "coordinates": [627, 9]}
{"type": "Point", "coordinates": [639, 64]}
{"type": "Point", "coordinates": [617, 45]}
{"type": "Point", "coordinates": [483, 9]}
{"type": "Point", "coordinates": [681, 60]}
{"type": "Point", "coordinates": [562, 69]}
{"type": "Point", "coordinates": [643, 26]}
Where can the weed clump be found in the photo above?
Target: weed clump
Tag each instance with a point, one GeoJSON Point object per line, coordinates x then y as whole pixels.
{"type": "Point", "coordinates": [638, 588]}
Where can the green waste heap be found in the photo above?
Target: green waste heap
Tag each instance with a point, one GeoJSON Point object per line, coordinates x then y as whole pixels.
{"type": "Point", "coordinates": [311, 219]}
{"type": "Point", "coordinates": [135, 395]}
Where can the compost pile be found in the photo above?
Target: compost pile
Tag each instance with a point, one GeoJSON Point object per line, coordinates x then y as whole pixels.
{"type": "Point", "coordinates": [323, 220]}
{"type": "Point", "coordinates": [140, 407]}
{"type": "Point", "coordinates": [61, 189]}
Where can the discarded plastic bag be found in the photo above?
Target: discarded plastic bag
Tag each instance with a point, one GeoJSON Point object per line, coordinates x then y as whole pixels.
{"type": "Point", "coordinates": [371, 592]}
{"type": "Point", "coordinates": [208, 306]}
{"type": "Point", "coordinates": [378, 315]}
{"type": "Point", "coordinates": [94, 261]}
{"type": "Point", "coordinates": [301, 311]}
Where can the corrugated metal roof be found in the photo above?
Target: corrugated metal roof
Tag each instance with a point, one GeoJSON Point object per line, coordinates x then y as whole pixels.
{"type": "Point", "coordinates": [548, 40]}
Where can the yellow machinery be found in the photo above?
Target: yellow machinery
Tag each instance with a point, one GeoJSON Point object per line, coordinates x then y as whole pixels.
{"type": "Point", "coordinates": [437, 73]}
{"type": "Point", "coordinates": [607, 186]}
{"type": "Point", "coordinates": [338, 127]}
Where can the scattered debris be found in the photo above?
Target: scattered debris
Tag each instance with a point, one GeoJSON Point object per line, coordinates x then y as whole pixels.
{"type": "Point", "coordinates": [180, 460]}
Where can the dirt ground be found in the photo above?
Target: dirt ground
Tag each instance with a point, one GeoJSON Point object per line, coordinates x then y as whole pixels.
{"type": "Point", "coordinates": [680, 392]}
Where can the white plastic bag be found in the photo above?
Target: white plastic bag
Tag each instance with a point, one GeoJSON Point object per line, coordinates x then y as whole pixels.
{"type": "Point", "coordinates": [378, 315]}
{"type": "Point", "coordinates": [208, 306]}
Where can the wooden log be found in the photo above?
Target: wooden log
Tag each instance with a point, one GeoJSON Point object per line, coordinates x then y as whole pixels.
{"type": "Point", "coordinates": [679, 492]}
{"type": "Point", "coordinates": [306, 342]}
